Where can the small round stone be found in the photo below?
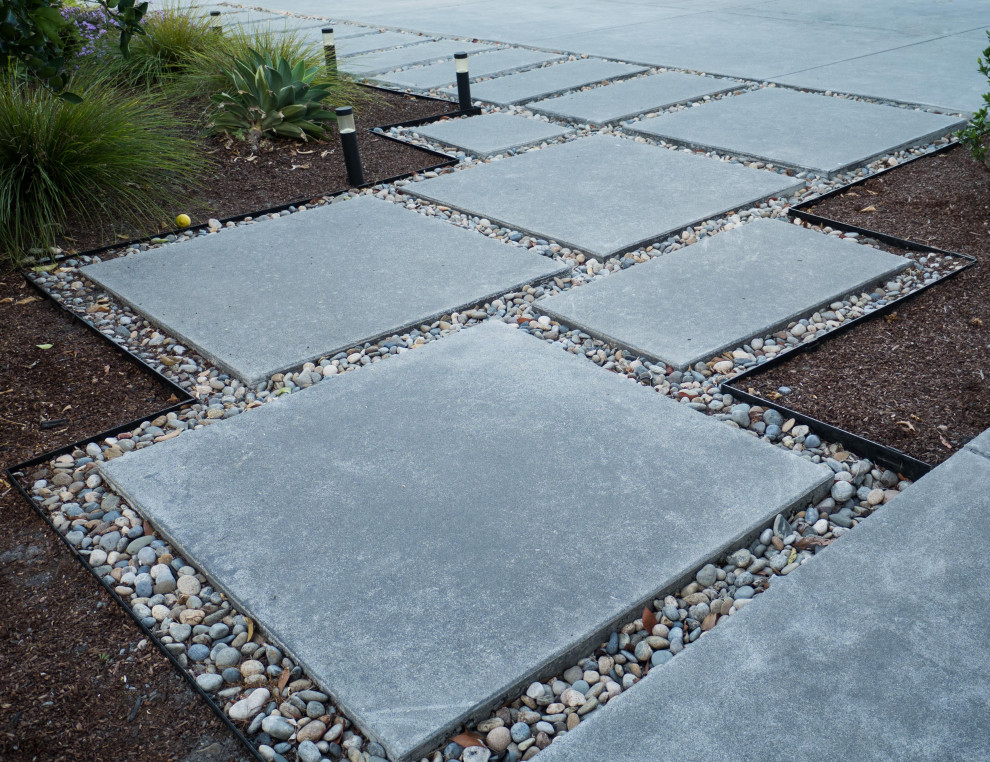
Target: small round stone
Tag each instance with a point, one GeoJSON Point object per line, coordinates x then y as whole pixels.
{"type": "Point", "coordinates": [520, 732]}
{"type": "Point", "coordinates": [498, 739]}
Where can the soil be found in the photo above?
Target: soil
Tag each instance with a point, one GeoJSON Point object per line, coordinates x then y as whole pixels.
{"type": "Point", "coordinates": [241, 181]}
{"type": "Point", "coordinates": [918, 379]}
{"type": "Point", "coordinates": [76, 685]}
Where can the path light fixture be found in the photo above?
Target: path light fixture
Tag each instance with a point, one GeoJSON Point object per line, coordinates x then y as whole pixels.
{"type": "Point", "coordinates": [215, 23]}
{"type": "Point", "coordinates": [329, 50]}
{"type": "Point", "coordinates": [463, 83]}
{"type": "Point", "coordinates": [348, 140]}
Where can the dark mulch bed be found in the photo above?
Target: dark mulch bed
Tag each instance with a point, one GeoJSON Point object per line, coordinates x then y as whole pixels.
{"type": "Point", "coordinates": [241, 182]}
{"type": "Point", "coordinates": [918, 380]}
{"type": "Point", "coordinates": [72, 675]}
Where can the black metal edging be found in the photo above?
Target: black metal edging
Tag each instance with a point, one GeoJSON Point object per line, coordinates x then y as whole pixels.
{"type": "Point", "coordinates": [879, 453]}
{"type": "Point", "coordinates": [12, 478]}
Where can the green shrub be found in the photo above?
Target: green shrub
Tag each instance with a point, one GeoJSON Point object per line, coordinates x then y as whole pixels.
{"type": "Point", "coordinates": [112, 158]}
{"type": "Point", "coordinates": [269, 96]}
{"type": "Point", "coordinates": [173, 39]}
{"type": "Point", "coordinates": [976, 135]}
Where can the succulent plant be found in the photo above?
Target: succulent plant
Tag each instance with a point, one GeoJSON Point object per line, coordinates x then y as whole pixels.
{"type": "Point", "coordinates": [271, 96]}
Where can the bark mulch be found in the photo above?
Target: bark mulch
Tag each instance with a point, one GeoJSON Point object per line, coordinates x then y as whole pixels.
{"type": "Point", "coordinates": [918, 379]}
{"type": "Point", "coordinates": [241, 181]}
{"type": "Point", "coordinates": [76, 684]}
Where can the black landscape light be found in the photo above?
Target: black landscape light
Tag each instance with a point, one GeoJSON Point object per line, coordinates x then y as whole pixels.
{"type": "Point", "coordinates": [329, 50]}
{"type": "Point", "coordinates": [463, 85]}
{"type": "Point", "coordinates": [348, 140]}
{"type": "Point", "coordinates": [215, 24]}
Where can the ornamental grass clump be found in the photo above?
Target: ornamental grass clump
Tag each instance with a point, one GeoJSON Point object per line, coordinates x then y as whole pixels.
{"type": "Point", "coordinates": [271, 97]}
{"type": "Point", "coordinates": [976, 135]}
{"type": "Point", "coordinates": [112, 159]}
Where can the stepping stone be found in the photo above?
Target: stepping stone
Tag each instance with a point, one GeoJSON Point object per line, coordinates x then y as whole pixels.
{"type": "Point", "coordinates": [244, 15]}
{"type": "Point", "coordinates": [268, 297]}
{"type": "Point", "coordinates": [848, 638]}
{"type": "Point", "coordinates": [408, 533]}
{"type": "Point", "coordinates": [314, 34]}
{"type": "Point", "coordinates": [540, 83]}
{"type": "Point", "coordinates": [685, 307]}
{"type": "Point", "coordinates": [799, 130]}
{"type": "Point", "coordinates": [366, 43]}
{"type": "Point", "coordinates": [603, 195]}
{"type": "Point", "coordinates": [442, 74]}
{"type": "Point", "coordinates": [295, 24]}
{"type": "Point", "coordinates": [938, 74]}
{"type": "Point", "coordinates": [624, 100]}
{"type": "Point", "coordinates": [387, 60]}
{"type": "Point", "coordinates": [490, 134]}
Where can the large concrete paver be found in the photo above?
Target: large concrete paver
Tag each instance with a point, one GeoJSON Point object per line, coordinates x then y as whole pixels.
{"type": "Point", "coordinates": [721, 292]}
{"type": "Point", "coordinates": [801, 130]}
{"type": "Point", "coordinates": [376, 63]}
{"type": "Point", "coordinates": [268, 297]}
{"type": "Point", "coordinates": [485, 64]}
{"type": "Point", "coordinates": [876, 649]}
{"type": "Point", "coordinates": [363, 45]}
{"type": "Point", "coordinates": [938, 74]}
{"type": "Point", "coordinates": [732, 44]}
{"type": "Point", "coordinates": [603, 195]}
{"type": "Point", "coordinates": [539, 83]}
{"type": "Point", "coordinates": [632, 97]}
{"type": "Point", "coordinates": [410, 535]}
{"type": "Point", "coordinates": [490, 134]}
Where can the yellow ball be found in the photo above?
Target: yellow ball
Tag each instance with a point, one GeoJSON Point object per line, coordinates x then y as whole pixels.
{"type": "Point", "coordinates": [183, 221]}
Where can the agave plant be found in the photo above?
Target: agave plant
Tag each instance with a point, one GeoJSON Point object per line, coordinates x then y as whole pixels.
{"type": "Point", "coordinates": [271, 97]}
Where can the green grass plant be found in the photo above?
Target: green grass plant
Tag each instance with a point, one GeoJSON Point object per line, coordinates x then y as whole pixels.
{"type": "Point", "coordinates": [114, 158]}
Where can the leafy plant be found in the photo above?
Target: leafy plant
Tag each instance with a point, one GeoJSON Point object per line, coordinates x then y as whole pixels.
{"type": "Point", "coordinates": [271, 96]}
{"type": "Point", "coordinates": [36, 38]}
{"type": "Point", "coordinates": [976, 135]}
{"type": "Point", "coordinates": [173, 39]}
{"type": "Point", "coordinates": [110, 158]}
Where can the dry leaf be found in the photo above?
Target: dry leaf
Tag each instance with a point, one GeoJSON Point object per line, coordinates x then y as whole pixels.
{"type": "Point", "coordinates": [8, 300]}
{"type": "Point", "coordinates": [868, 209]}
{"type": "Point", "coordinates": [907, 424]}
{"type": "Point", "coordinates": [709, 622]}
{"type": "Point", "coordinates": [872, 193]}
{"type": "Point", "coordinates": [803, 543]}
{"type": "Point", "coordinates": [467, 739]}
{"type": "Point", "coordinates": [250, 626]}
{"type": "Point", "coordinates": [851, 193]}
{"type": "Point", "coordinates": [283, 680]}
{"type": "Point", "coordinates": [170, 361]}
{"type": "Point", "coordinates": [945, 442]}
{"type": "Point", "coordinates": [976, 321]}
{"type": "Point", "coordinates": [842, 457]}
{"type": "Point", "coordinates": [27, 300]}
{"type": "Point", "coordinates": [891, 317]}
{"type": "Point", "coordinates": [649, 619]}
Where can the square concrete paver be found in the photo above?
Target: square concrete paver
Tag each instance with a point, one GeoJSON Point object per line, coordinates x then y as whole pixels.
{"type": "Point", "coordinates": [686, 306]}
{"type": "Point", "coordinates": [939, 74]}
{"type": "Point", "coordinates": [801, 130]}
{"type": "Point", "coordinates": [630, 98]}
{"type": "Point", "coordinates": [490, 134]}
{"type": "Point", "coordinates": [848, 638]}
{"type": "Point", "coordinates": [539, 83]}
{"type": "Point", "coordinates": [603, 195]}
{"type": "Point", "coordinates": [364, 45]}
{"type": "Point", "coordinates": [411, 535]}
{"type": "Point", "coordinates": [376, 63]}
{"type": "Point", "coordinates": [484, 64]}
{"type": "Point", "coordinates": [268, 297]}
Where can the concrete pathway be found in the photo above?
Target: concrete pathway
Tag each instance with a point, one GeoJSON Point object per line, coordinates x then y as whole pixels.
{"type": "Point", "coordinates": [424, 535]}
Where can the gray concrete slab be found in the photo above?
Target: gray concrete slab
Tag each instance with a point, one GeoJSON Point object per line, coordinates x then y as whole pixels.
{"type": "Point", "coordinates": [849, 638]}
{"type": "Point", "coordinates": [490, 134]}
{"type": "Point", "coordinates": [719, 293]}
{"type": "Point", "coordinates": [539, 83]}
{"type": "Point", "coordinates": [406, 532]}
{"type": "Point", "coordinates": [244, 15]}
{"type": "Point", "coordinates": [939, 74]}
{"type": "Point", "coordinates": [430, 52]}
{"type": "Point", "coordinates": [911, 16]}
{"type": "Point", "coordinates": [731, 44]}
{"type": "Point", "coordinates": [364, 45]}
{"type": "Point", "coordinates": [623, 100]}
{"type": "Point", "coordinates": [267, 297]}
{"type": "Point", "coordinates": [801, 130]}
{"type": "Point", "coordinates": [284, 23]}
{"type": "Point", "coordinates": [567, 192]}
{"type": "Point", "coordinates": [981, 444]}
{"type": "Point", "coordinates": [314, 34]}
{"type": "Point", "coordinates": [485, 64]}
